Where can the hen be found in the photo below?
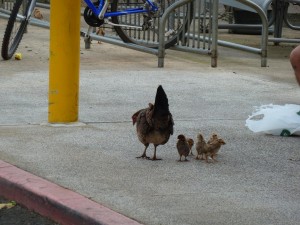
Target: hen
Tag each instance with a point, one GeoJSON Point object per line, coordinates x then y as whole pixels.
{"type": "Point", "coordinates": [182, 147]}
{"type": "Point", "coordinates": [154, 124]}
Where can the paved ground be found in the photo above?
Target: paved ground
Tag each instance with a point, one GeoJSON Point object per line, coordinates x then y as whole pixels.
{"type": "Point", "coordinates": [256, 180]}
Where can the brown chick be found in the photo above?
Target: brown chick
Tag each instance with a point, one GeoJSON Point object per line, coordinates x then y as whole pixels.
{"type": "Point", "coordinates": [213, 137]}
{"type": "Point", "coordinates": [100, 32]}
{"type": "Point", "coordinates": [190, 142]}
{"type": "Point", "coordinates": [213, 148]}
{"type": "Point", "coordinates": [182, 147]}
{"type": "Point", "coordinates": [200, 146]}
{"type": "Point", "coordinates": [37, 14]}
{"type": "Point", "coordinates": [82, 3]}
{"type": "Point", "coordinates": [154, 125]}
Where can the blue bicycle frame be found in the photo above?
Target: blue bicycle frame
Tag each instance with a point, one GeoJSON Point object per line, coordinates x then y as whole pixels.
{"type": "Point", "coordinates": [101, 13]}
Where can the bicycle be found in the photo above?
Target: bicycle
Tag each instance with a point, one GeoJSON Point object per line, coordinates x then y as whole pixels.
{"type": "Point", "coordinates": [135, 21]}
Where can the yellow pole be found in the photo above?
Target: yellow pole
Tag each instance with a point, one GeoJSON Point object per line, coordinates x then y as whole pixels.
{"type": "Point", "coordinates": [64, 61]}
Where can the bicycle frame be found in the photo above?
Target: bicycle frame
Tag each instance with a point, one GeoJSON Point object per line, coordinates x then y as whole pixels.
{"type": "Point", "coordinates": [101, 13]}
{"type": "Point", "coordinates": [31, 8]}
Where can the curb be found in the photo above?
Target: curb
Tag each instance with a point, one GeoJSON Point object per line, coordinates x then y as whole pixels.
{"type": "Point", "coordinates": [60, 204]}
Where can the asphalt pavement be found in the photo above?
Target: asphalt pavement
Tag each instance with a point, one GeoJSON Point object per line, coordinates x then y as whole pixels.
{"type": "Point", "coordinates": [255, 181]}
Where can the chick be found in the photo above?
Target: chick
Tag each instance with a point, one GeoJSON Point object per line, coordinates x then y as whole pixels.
{"type": "Point", "coordinates": [213, 137]}
{"type": "Point", "coordinates": [37, 14]}
{"type": "Point", "coordinates": [100, 32]}
{"type": "Point", "coordinates": [191, 144]}
{"type": "Point", "coordinates": [213, 148]}
{"type": "Point", "coordinates": [200, 146]}
{"type": "Point", "coordinates": [182, 147]}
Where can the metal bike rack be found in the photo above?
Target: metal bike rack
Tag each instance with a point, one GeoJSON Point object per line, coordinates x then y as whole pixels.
{"type": "Point", "coordinates": [193, 35]}
{"type": "Point", "coordinates": [194, 41]}
{"type": "Point", "coordinates": [205, 16]}
{"type": "Point", "coordinates": [262, 51]}
{"type": "Point", "coordinates": [118, 42]}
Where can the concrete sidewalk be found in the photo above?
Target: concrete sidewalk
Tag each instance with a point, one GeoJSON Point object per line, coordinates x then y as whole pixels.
{"type": "Point", "coordinates": [256, 180]}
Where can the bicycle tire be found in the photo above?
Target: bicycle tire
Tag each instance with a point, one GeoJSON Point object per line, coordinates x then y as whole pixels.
{"type": "Point", "coordinates": [10, 43]}
{"type": "Point", "coordinates": [149, 38]}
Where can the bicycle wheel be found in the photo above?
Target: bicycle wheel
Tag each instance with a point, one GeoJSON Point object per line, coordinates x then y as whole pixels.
{"type": "Point", "coordinates": [176, 25]}
{"type": "Point", "coordinates": [15, 28]}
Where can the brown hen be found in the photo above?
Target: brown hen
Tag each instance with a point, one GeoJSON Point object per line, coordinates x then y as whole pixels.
{"type": "Point", "coordinates": [154, 124]}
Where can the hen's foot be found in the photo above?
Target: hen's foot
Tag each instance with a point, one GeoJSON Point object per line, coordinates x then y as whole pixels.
{"type": "Point", "coordinates": [143, 157]}
{"type": "Point", "coordinates": [214, 158]}
{"type": "Point", "coordinates": [154, 158]}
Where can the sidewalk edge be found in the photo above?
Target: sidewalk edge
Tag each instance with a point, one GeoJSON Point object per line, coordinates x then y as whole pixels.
{"type": "Point", "coordinates": [55, 202]}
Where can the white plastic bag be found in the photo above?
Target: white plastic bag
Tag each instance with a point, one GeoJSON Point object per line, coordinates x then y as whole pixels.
{"type": "Point", "coordinates": [281, 120]}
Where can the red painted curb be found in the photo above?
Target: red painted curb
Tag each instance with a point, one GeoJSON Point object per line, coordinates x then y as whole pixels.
{"type": "Point", "coordinates": [60, 204]}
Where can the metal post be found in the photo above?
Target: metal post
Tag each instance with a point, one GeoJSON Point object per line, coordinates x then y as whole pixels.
{"type": "Point", "coordinates": [87, 38]}
{"type": "Point", "coordinates": [64, 61]}
{"type": "Point", "coordinates": [214, 44]}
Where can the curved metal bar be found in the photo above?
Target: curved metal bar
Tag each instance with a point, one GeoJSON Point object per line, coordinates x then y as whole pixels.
{"type": "Point", "coordinates": [264, 31]}
{"type": "Point", "coordinates": [162, 24]}
{"type": "Point", "coordinates": [286, 20]}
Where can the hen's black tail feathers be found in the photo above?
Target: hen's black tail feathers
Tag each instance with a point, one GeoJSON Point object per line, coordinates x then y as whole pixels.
{"type": "Point", "coordinates": [161, 100]}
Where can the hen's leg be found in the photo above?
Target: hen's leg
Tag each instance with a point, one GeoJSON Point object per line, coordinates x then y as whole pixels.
{"type": "Point", "coordinates": [144, 156]}
{"type": "Point", "coordinates": [213, 157]}
{"type": "Point", "coordinates": [154, 156]}
{"type": "Point", "coordinates": [206, 158]}
{"type": "Point", "coordinates": [179, 160]}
